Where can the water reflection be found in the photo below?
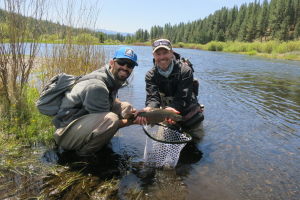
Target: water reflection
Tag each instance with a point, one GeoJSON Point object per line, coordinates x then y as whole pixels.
{"type": "Point", "coordinates": [271, 97]}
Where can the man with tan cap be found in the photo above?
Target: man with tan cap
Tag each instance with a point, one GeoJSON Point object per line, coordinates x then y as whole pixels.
{"type": "Point", "coordinates": [169, 84]}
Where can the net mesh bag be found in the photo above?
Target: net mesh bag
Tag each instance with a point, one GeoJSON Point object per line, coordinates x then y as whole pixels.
{"type": "Point", "coordinates": [159, 154]}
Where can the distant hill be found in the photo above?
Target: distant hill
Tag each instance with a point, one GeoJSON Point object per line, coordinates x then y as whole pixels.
{"type": "Point", "coordinates": [49, 27]}
{"type": "Point", "coordinates": [110, 32]}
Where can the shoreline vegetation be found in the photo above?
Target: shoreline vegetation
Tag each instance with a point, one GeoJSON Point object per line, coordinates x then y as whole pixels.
{"type": "Point", "coordinates": [36, 128]}
{"type": "Point", "coordinates": [289, 50]}
{"type": "Point", "coordinates": [271, 49]}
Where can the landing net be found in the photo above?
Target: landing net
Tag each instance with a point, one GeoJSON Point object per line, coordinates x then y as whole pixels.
{"type": "Point", "coordinates": [163, 146]}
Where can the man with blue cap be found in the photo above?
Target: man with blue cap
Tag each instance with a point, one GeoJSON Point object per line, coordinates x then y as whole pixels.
{"type": "Point", "coordinates": [90, 113]}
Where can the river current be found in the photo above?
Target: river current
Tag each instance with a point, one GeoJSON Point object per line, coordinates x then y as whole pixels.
{"type": "Point", "coordinates": [251, 147]}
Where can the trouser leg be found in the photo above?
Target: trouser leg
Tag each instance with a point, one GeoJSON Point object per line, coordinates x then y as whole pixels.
{"type": "Point", "coordinates": [89, 133]}
{"type": "Point", "coordinates": [122, 109]}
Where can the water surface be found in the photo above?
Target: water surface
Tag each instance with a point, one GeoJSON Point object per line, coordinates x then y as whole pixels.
{"type": "Point", "coordinates": [251, 147]}
{"type": "Point", "coordinates": [252, 128]}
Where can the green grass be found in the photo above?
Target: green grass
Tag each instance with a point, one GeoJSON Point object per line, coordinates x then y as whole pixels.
{"type": "Point", "coordinates": [271, 49]}
{"type": "Point", "coordinates": [28, 126]}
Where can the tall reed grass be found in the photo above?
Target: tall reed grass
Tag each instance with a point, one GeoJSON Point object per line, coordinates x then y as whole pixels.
{"type": "Point", "coordinates": [75, 55]}
{"type": "Point", "coordinates": [69, 58]}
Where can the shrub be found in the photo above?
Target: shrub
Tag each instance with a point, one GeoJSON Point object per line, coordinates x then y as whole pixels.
{"type": "Point", "coordinates": [215, 46]}
{"type": "Point", "coordinates": [251, 53]}
{"type": "Point", "coordinates": [86, 39]}
{"type": "Point", "coordinates": [30, 126]}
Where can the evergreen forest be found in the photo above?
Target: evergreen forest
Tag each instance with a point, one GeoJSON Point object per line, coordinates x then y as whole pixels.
{"type": "Point", "coordinates": [257, 21]}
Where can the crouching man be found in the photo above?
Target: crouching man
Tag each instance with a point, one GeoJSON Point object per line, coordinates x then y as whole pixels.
{"type": "Point", "coordinates": [90, 113]}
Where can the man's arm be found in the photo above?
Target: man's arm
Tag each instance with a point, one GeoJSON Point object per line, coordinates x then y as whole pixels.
{"type": "Point", "coordinates": [96, 98]}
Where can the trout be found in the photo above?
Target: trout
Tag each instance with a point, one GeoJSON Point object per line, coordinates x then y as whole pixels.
{"type": "Point", "coordinates": [157, 115]}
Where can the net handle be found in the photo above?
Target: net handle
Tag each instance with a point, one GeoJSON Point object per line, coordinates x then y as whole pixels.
{"type": "Point", "coordinates": [163, 141]}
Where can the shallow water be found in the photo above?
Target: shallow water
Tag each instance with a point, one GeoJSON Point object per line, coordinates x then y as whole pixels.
{"type": "Point", "coordinates": [252, 128]}
{"type": "Point", "coordinates": [251, 147]}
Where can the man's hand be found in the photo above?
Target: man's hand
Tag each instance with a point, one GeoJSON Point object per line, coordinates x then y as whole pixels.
{"type": "Point", "coordinates": [141, 120]}
{"type": "Point", "coordinates": [128, 119]}
{"type": "Point", "coordinates": [170, 121]}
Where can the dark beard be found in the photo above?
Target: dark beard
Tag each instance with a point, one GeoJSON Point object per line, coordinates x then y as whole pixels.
{"type": "Point", "coordinates": [117, 77]}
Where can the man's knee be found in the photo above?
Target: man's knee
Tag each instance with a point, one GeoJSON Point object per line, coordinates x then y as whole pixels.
{"type": "Point", "coordinates": [112, 118]}
{"type": "Point", "coordinates": [110, 123]}
{"type": "Point", "coordinates": [101, 135]}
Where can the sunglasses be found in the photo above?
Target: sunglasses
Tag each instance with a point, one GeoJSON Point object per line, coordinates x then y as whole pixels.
{"type": "Point", "coordinates": [161, 43]}
{"type": "Point", "coordinates": [123, 62]}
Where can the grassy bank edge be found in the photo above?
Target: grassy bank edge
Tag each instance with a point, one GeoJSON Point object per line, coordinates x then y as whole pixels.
{"type": "Point", "coordinates": [272, 49]}
{"type": "Point", "coordinates": [33, 129]}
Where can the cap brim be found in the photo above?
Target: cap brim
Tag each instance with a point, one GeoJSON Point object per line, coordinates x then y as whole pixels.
{"type": "Point", "coordinates": [158, 47]}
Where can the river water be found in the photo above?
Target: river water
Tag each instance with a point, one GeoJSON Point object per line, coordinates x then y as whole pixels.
{"type": "Point", "coordinates": [251, 147]}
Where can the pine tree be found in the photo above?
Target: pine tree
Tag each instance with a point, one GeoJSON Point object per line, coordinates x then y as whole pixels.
{"type": "Point", "coordinates": [179, 33]}
{"type": "Point", "coordinates": [278, 20]}
{"type": "Point", "coordinates": [296, 18]}
{"type": "Point", "coordinates": [242, 34]}
{"type": "Point", "coordinates": [231, 18]}
{"type": "Point", "coordinates": [236, 27]}
{"type": "Point", "coordinates": [297, 31]}
{"type": "Point", "coordinates": [187, 33]}
{"type": "Point", "coordinates": [251, 22]}
{"type": "Point", "coordinates": [262, 25]}
{"type": "Point", "coordinates": [286, 12]}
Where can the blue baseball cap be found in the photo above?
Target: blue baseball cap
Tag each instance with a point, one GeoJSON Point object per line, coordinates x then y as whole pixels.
{"type": "Point", "coordinates": [126, 52]}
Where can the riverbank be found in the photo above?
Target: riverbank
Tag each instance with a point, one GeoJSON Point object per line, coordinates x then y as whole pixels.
{"type": "Point", "coordinates": [271, 49]}
{"type": "Point", "coordinates": [35, 173]}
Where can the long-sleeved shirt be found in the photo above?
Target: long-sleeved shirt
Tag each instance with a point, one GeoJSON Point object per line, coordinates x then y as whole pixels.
{"type": "Point", "coordinates": [95, 94]}
{"type": "Point", "coordinates": [178, 88]}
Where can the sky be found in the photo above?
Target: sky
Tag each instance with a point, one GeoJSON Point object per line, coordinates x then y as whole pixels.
{"type": "Point", "coordinates": [129, 16]}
